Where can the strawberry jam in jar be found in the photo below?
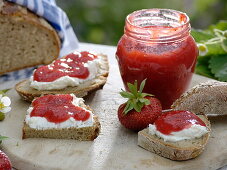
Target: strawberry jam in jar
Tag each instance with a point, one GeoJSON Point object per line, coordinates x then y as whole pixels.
{"type": "Point", "coordinates": [157, 46]}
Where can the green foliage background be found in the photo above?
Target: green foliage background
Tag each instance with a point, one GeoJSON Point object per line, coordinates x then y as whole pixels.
{"type": "Point", "coordinates": [102, 21]}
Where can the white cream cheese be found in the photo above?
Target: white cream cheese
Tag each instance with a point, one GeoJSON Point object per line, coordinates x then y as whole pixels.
{"type": "Point", "coordinates": [41, 123]}
{"type": "Point", "coordinates": [195, 131]}
{"type": "Point", "coordinates": [66, 81]}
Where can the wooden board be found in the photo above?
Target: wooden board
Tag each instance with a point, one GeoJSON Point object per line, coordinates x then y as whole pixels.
{"type": "Point", "coordinates": [115, 148]}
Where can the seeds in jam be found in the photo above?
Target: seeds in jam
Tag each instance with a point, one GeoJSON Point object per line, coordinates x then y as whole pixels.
{"type": "Point", "coordinates": [58, 108]}
{"type": "Point", "coordinates": [174, 121]}
{"type": "Point", "coordinates": [73, 65]}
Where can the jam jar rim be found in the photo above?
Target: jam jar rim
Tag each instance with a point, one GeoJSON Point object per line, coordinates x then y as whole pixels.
{"type": "Point", "coordinates": [144, 35]}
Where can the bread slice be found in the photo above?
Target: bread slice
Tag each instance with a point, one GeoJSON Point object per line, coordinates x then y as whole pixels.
{"type": "Point", "coordinates": [82, 134]}
{"type": "Point", "coordinates": [208, 98]}
{"type": "Point", "coordinates": [26, 39]}
{"type": "Point", "coordinates": [28, 93]}
{"type": "Point", "coordinates": [181, 150]}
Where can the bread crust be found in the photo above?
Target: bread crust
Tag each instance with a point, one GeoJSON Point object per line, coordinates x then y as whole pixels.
{"type": "Point", "coordinates": [181, 150]}
{"type": "Point", "coordinates": [208, 98]}
{"type": "Point", "coordinates": [18, 14]}
{"type": "Point", "coordinates": [28, 93]}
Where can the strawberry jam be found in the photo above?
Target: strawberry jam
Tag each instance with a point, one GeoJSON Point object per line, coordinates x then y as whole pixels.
{"type": "Point", "coordinates": [157, 46]}
{"type": "Point", "coordinates": [175, 121]}
{"type": "Point", "coordinates": [73, 65]}
{"type": "Point", "coordinates": [58, 108]}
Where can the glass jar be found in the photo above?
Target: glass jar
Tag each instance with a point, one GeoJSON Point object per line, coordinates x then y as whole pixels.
{"type": "Point", "coordinates": [157, 46]}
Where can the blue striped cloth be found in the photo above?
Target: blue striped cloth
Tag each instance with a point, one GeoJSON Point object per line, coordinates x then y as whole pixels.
{"type": "Point", "coordinates": [59, 21]}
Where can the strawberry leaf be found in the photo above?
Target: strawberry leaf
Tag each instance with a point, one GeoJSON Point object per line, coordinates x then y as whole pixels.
{"type": "Point", "coordinates": [204, 70]}
{"type": "Point", "coordinates": [224, 44]}
{"type": "Point", "coordinates": [129, 108]}
{"type": "Point", "coordinates": [147, 102]}
{"type": "Point", "coordinates": [136, 106]}
{"type": "Point", "coordinates": [142, 100]}
{"type": "Point", "coordinates": [142, 85]}
{"type": "Point", "coordinates": [126, 94]}
{"type": "Point", "coordinates": [126, 109]}
{"type": "Point", "coordinates": [146, 94]}
{"type": "Point", "coordinates": [213, 63]}
{"type": "Point", "coordinates": [200, 35]}
{"type": "Point", "coordinates": [136, 99]}
{"type": "Point", "coordinates": [218, 66]}
{"type": "Point", "coordinates": [215, 48]}
{"type": "Point", "coordinates": [221, 25]}
{"type": "Point", "coordinates": [133, 88]}
{"type": "Point", "coordinates": [202, 67]}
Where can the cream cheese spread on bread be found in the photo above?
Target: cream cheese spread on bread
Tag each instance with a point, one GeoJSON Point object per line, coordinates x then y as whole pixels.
{"type": "Point", "coordinates": [66, 81]}
{"type": "Point", "coordinates": [195, 131]}
{"type": "Point", "coordinates": [41, 123]}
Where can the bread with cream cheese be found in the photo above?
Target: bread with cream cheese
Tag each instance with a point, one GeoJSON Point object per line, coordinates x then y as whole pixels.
{"type": "Point", "coordinates": [208, 98]}
{"type": "Point", "coordinates": [82, 134]}
{"type": "Point", "coordinates": [181, 150]}
{"type": "Point", "coordinates": [26, 39]}
{"type": "Point", "coordinates": [28, 93]}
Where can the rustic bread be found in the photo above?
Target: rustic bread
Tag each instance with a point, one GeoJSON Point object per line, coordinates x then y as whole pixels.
{"type": "Point", "coordinates": [181, 150]}
{"type": "Point", "coordinates": [28, 93]}
{"type": "Point", "coordinates": [26, 39]}
{"type": "Point", "coordinates": [82, 134]}
{"type": "Point", "coordinates": [208, 98]}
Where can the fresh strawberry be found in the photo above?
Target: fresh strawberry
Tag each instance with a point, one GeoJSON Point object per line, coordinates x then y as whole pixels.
{"type": "Point", "coordinates": [140, 110]}
{"type": "Point", "coordinates": [5, 163]}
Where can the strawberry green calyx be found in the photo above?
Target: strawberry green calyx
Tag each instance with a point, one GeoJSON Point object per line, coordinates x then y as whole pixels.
{"type": "Point", "coordinates": [136, 99]}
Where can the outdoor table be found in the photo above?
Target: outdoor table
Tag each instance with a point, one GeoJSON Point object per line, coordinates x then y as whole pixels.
{"type": "Point", "coordinates": [115, 147]}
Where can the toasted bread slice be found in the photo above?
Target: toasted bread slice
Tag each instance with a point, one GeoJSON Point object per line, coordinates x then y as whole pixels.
{"type": "Point", "coordinates": [181, 150]}
{"type": "Point", "coordinates": [208, 98]}
{"type": "Point", "coordinates": [28, 93]}
{"type": "Point", "coordinates": [82, 134]}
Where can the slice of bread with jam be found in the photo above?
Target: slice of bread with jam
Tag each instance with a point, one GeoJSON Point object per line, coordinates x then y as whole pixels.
{"type": "Point", "coordinates": [28, 93]}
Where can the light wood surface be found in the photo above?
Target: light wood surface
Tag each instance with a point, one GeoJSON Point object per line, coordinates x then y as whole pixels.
{"type": "Point", "coordinates": [115, 148]}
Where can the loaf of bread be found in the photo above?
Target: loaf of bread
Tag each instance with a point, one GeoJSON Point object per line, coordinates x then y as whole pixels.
{"type": "Point", "coordinates": [28, 93]}
{"type": "Point", "coordinates": [82, 134]}
{"type": "Point", "coordinates": [26, 39]}
{"type": "Point", "coordinates": [181, 150]}
{"type": "Point", "coordinates": [208, 98]}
